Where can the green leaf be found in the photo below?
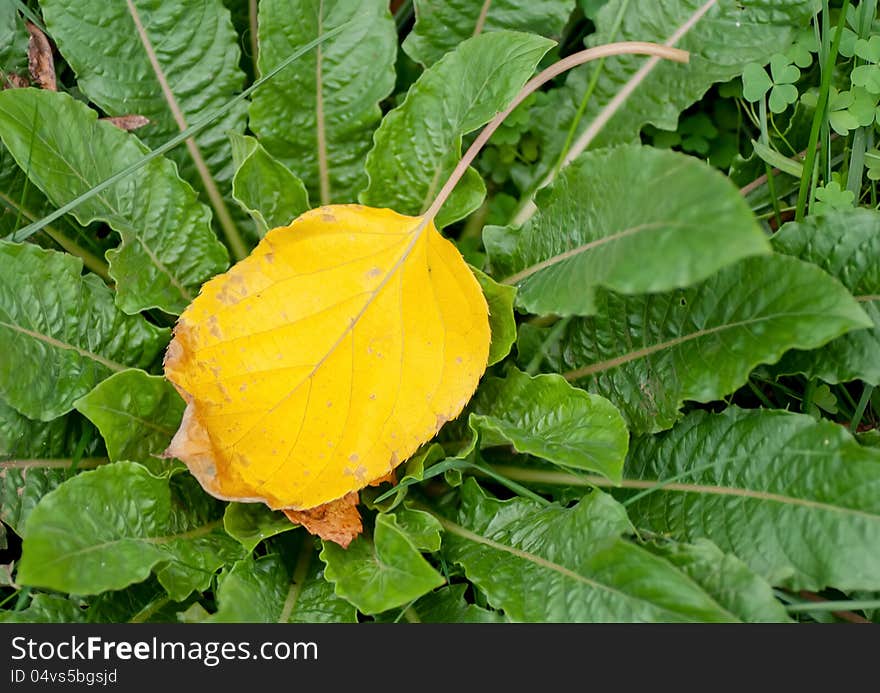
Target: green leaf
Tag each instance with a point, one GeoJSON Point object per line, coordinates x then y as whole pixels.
{"type": "Point", "coordinates": [550, 563]}
{"type": "Point", "coordinates": [631, 219]}
{"type": "Point", "coordinates": [380, 574]}
{"type": "Point", "coordinates": [730, 581]}
{"type": "Point", "coordinates": [319, 118]}
{"type": "Point", "coordinates": [756, 82]}
{"type": "Point", "coordinates": [47, 608]}
{"type": "Point", "coordinates": [60, 333]}
{"type": "Point", "coordinates": [262, 590]}
{"type": "Point", "coordinates": [730, 36]}
{"type": "Point", "coordinates": [502, 322]}
{"type": "Point", "coordinates": [846, 244]}
{"type": "Point", "coordinates": [13, 43]}
{"type": "Point", "coordinates": [197, 49]}
{"type": "Point", "coordinates": [442, 24]}
{"type": "Point", "coordinates": [422, 528]}
{"type": "Point", "coordinates": [145, 602]}
{"type": "Point", "coordinates": [797, 499]}
{"type": "Point", "coordinates": [546, 417]}
{"type": "Point", "coordinates": [448, 605]}
{"type": "Point", "coordinates": [108, 528]}
{"type": "Point", "coordinates": [649, 354]}
{"type": "Point", "coordinates": [264, 187]}
{"type": "Point", "coordinates": [251, 523]}
{"type": "Point", "coordinates": [168, 248]}
{"type": "Point", "coordinates": [137, 414]}
{"type": "Point", "coordinates": [419, 142]}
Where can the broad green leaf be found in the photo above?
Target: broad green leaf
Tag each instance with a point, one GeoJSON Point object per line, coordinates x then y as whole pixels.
{"type": "Point", "coordinates": [47, 608]}
{"type": "Point", "coordinates": [60, 333]}
{"type": "Point", "coordinates": [442, 24]}
{"type": "Point", "coordinates": [197, 50]}
{"type": "Point", "coordinates": [145, 602]}
{"type": "Point", "coordinates": [730, 581]}
{"type": "Point", "coordinates": [13, 43]}
{"type": "Point", "coordinates": [847, 246]}
{"type": "Point", "coordinates": [797, 499]}
{"type": "Point", "coordinates": [649, 354]}
{"type": "Point", "coordinates": [251, 523]}
{"type": "Point", "coordinates": [168, 248]}
{"type": "Point", "coordinates": [631, 219]}
{"type": "Point", "coordinates": [262, 590]}
{"type": "Point", "coordinates": [318, 117]}
{"type": "Point", "coordinates": [547, 417]}
{"type": "Point", "coordinates": [419, 142]}
{"type": "Point", "coordinates": [137, 414]}
{"type": "Point", "coordinates": [502, 322]}
{"type": "Point", "coordinates": [264, 187]}
{"type": "Point", "coordinates": [550, 563]}
{"type": "Point", "coordinates": [108, 528]}
{"type": "Point", "coordinates": [448, 605]}
{"type": "Point", "coordinates": [381, 573]}
{"type": "Point", "coordinates": [421, 527]}
{"type": "Point", "coordinates": [728, 37]}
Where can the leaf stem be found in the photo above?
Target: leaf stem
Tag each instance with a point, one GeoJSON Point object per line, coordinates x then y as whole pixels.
{"type": "Point", "coordinates": [224, 218]}
{"type": "Point", "coordinates": [585, 56]}
{"type": "Point", "coordinates": [197, 126]}
{"type": "Point", "coordinates": [819, 116]}
{"type": "Point", "coordinates": [765, 140]}
{"type": "Point", "coordinates": [860, 408]}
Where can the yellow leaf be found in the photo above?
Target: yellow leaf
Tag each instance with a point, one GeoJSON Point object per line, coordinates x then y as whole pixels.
{"type": "Point", "coordinates": [326, 358]}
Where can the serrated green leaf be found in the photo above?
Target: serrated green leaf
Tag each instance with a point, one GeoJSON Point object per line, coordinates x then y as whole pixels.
{"type": "Point", "coordinates": [795, 498]}
{"type": "Point", "coordinates": [168, 248]}
{"type": "Point", "coordinates": [631, 219]}
{"type": "Point", "coordinates": [546, 417]}
{"type": "Point", "coordinates": [318, 119]}
{"type": "Point", "coordinates": [649, 354]}
{"type": "Point", "coordinates": [60, 333]}
{"type": "Point", "coordinates": [194, 44]}
{"type": "Point", "coordinates": [730, 581]}
{"type": "Point", "coordinates": [261, 590]}
{"type": "Point", "coordinates": [137, 414]}
{"type": "Point", "coordinates": [846, 244]}
{"type": "Point", "coordinates": [549, 563]}
{"type": "Point", "coordinates": [448, 605]}
{"type": "Point", "coordinates": [264, 187]}
{"type": "Point", "coordinates": [442, 24]}
{"type": "Point", "coordinates": [502, 322]}
{"type": "Point", "coordinates": [381, 573]}
{"type": "Point", "coordinates": [109, 528]}
{"type": "Point", "coordinates": [419, 142]}
{"type": "Point", "coordinates": [47, 608]}
{"type": "Point", "coordinates": [730, 36]}
{"type": "Point", "coordinates": [251, 523]}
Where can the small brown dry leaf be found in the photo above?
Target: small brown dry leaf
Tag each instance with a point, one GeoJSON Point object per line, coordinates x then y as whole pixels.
{"type": "Point", "coordinates": [40, 60]}
{"type": "Point", "coordinates": [128, 122]}
{"type": "Point", "coordinates": [337, 521]}
{"type": "Point", "coordinates": [14, 81]}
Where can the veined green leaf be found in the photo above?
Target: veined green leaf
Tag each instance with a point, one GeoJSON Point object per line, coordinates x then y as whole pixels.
{"type": "Point", "coordinates": [47, 608]}
{"type": "Point", "coordinates": [421, 527]}
{"type": "Point", "coordinates": [168, 248]}
{"type": "Point", "coordinates": [108, 528]}
{"type": "Point", "coordinates": [137, 414]}
{"type": "Point", "coordinates": [442, 24]}
{"type": "Point", "coordinates": [196, 49]}
{"type": "Point", "coordinates": [557, 564]}
{"type": "Point", "coordinates": [145, 602]}
{"type": "Point", "coordinates": [60, 333]}
{"type": "Point", "coordinates": [730, 581]}
{"type": "Point", "coordinates": [502, 323]}
{"type": "Point", "coordinates": [631, 219]}
{"type": "Point", "coordinates": [319, 118]}
{"type": "Point", "coordinates": [649, 354]}
{"type": "Point", "coordinates": [13, 43]}
{"type": "Point", "coordinates": [729, 36]}
{"type": "Point", "coordinates": [381, 573]}
{"type": "Point", "coordinates": [251, 523]}
{"type": "Point", "coordinates": [797, 499]}
{"type": "Point", "coordinates": [264, 187]}
{"type": "Point", "coordinates": [262, 590]}
{"type": "Point", "coordinates": [419, 143]}
{"type": "Point", "coordinates": [846, 244]}
{"type": "Point", "coordinates": [448, 605]}
{"type": "Point", "coordinates": [546, 417]}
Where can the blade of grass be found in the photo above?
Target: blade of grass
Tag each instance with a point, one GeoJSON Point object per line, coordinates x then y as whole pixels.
{"type": "Point", "coordinates": [195, 127]}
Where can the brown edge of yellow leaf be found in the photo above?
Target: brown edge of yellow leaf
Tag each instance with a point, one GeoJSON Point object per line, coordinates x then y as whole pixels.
{"type": "Point", "coordinates": [338, 521]}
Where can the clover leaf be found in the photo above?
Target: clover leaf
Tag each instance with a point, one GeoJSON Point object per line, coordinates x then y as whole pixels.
{"type": "Point", "coordinates": [780, 82]}
{"type": "Point", "coordinates": [868, 76]}
{"type": "Point", "coordinates": [801, 51]}
{"type": "Point", "coordinates": [832, 197]}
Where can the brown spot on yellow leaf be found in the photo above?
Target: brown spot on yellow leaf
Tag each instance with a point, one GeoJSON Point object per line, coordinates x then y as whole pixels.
{"type": "Point", "coordinates": [337, 521]}
{"type": "Point", "coordinates": [41, 63]}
